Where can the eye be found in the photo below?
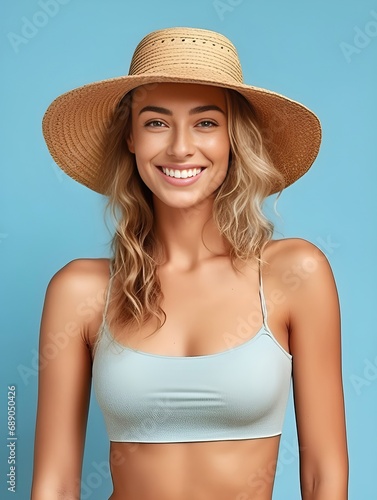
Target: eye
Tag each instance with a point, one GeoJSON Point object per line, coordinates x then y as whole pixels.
{"type": "Point", "coordinates": [207, 124]}
{"type": "Point", "coordinates": [155, 124]}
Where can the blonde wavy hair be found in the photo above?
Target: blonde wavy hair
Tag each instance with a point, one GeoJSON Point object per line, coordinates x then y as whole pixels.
{"type": "Point", "coordinates": [237, 211]}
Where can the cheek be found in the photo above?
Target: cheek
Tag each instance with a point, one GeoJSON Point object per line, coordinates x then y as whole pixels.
{"type": "Point", "coordinates": [146, 146]}
{"type": "Point", "coordinates": [219, 149]}
{"type": "Point", "coordinates": [145, 151]}
{"type": "Point", "coordinates": [142, 165]}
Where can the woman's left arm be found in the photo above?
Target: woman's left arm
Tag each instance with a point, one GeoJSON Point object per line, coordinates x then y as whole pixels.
{"type": "Point", "coordinates": [317, 377]}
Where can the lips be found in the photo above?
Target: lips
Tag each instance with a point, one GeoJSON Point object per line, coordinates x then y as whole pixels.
{"type": "Point", "coordinates": [181, 173]}
{"type": "Point", "coordinates": [183, 176]}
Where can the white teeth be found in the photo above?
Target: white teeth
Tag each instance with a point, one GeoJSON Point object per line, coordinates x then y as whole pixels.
{"type": "Point", "coordinates": [181, 174]}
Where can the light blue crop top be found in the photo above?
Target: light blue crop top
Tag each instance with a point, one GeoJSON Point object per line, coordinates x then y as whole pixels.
{"type": "Point", "coordinates": [240, 393]}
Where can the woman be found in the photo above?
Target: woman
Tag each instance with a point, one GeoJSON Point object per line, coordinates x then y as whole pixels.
{"type": "Point", "coordinates": [198, 321]}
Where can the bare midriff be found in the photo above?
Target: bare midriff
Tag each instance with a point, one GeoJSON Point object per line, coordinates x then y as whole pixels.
{"type": "Point", "coordinates": [214, 470]}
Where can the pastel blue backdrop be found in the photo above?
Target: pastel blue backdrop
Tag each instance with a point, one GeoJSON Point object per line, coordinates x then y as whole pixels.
{"type": "Point", "coordinates": [321, 53]}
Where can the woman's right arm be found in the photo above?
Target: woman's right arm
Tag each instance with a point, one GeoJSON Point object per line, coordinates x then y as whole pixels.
{"type": "Point", "coordinates": [64, 383]}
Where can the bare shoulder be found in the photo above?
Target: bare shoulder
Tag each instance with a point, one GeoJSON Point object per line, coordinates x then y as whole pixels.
{"type": "Point", "coordinates": [78, 291]}
{"type": "Point", "coordinates": [301, 270]}
{"type": "Point", "coordinates": [81, 274]}
{"type": "Point", "coordinates": [295, 257]}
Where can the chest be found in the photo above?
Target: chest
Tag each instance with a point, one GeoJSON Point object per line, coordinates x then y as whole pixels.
{"type": "Point", "coordinates": [207, 311]}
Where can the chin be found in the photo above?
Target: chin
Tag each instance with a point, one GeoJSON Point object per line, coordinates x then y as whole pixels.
{"type": "Point", "coordinates": [181, 204]}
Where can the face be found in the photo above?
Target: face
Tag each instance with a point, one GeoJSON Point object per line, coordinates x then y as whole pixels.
{"type": "Point", "coordinates": [180, 140]}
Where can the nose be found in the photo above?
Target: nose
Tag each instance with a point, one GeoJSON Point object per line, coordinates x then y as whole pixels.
{"type": "Point", "coordinates": [181, 143]}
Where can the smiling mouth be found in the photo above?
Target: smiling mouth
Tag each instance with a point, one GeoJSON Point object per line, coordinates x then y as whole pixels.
{"type": "Point", "coordinates": [181, 174]}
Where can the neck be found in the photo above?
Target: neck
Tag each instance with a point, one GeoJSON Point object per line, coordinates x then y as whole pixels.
{"type": "Point", "coordinates": [189, 236]}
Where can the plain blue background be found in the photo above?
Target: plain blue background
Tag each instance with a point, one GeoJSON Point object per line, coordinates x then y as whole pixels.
{"type": "Point", "coordinates": [321, 53]}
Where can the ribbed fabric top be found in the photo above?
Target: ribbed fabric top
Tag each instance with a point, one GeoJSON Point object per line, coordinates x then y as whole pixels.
{"type": "Point", "coordinates": [240, 393]}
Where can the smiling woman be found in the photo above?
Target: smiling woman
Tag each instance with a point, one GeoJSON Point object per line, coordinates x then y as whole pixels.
{"type": "Point", "coordinates": [191, 134]}
{"type": "Point", "coordinates": [187, 153]}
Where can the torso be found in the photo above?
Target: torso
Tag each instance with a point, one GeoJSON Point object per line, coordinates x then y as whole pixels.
{"type": "Point", "coordinates": [222, 470]}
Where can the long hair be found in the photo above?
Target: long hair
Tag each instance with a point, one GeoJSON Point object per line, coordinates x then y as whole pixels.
{"type": "Point", "coordinates": [237, 210]}
{"type": "Point", "coordinates": [251, 176]}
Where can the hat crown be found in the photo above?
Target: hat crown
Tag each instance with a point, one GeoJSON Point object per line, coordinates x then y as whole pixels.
{"type": "Point", "coordinates": [187, 52]}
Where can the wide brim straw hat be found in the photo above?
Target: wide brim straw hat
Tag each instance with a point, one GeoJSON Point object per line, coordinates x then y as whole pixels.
{"type": "Point", "coordinates": [76, 123]}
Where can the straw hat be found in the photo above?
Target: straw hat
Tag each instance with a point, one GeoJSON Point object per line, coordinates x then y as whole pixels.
{"type": "Point", "coordinates": [74, 125]}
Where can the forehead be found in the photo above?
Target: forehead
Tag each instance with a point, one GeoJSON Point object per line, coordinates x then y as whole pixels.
{"type": "Point", "coordinates": [173, 94]}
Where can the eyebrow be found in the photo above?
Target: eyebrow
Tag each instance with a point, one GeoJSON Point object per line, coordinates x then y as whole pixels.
{"type": "Point", "coordinates": [194, 111]}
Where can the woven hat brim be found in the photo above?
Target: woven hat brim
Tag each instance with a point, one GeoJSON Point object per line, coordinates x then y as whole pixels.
{"type": "Point", "coordinates": [75, 125]}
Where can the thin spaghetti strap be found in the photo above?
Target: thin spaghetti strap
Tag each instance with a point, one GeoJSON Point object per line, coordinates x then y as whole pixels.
{"type": "Point", "coordinates": [108, 291]}
{"type": "Point", "coordinates": [102, 328]}
{"type": "Point", "coordinates": [261, 295]}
